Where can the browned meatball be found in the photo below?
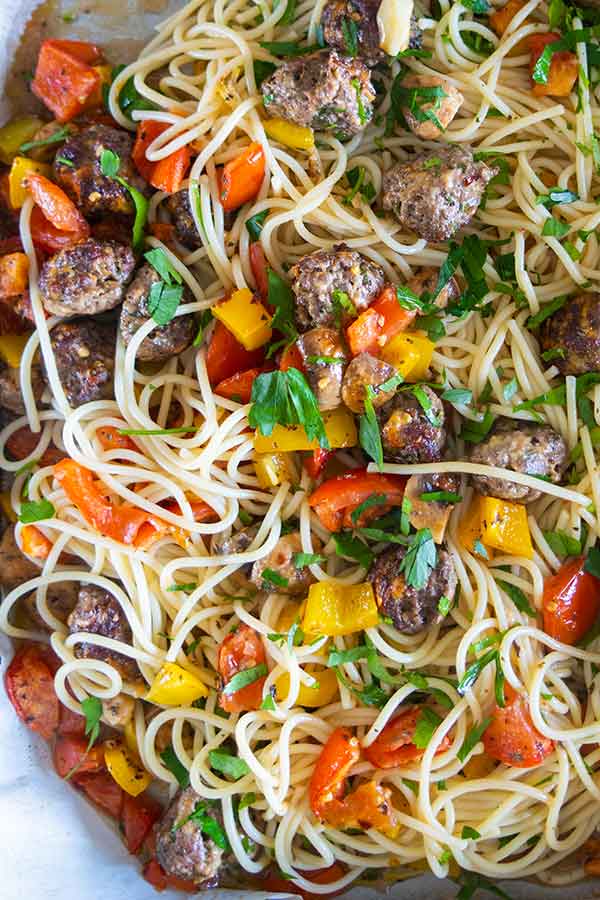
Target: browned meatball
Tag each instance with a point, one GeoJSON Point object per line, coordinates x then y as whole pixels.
{"type": "Point", "coordinates": [341, 18]}
{"type": "Point", "coordinates": [521, 447]}
{"type": "Point", "coordinates": [426, 281]}
{"type": "Point", "coordinates": [280, 561]}
{"type": "Point", "coordinates": [435, 194]}
{"type": "Point", "coordinates": [327, 282]}
{"type": "Point", "coordinates": [318, 347]}
{"type": "Point", "coordinates": [96, 194]}
{"type": "Point", "coordinates": [15, 568]}
{"type": "Point", "coordinates": [324, 90]}
{"type": "Point", "coordinates": [10, 387]}
{"type": "Point", "coordinates": [183, 848]}
{"type": "Point", "coordinates": [575, 330]}
{"type": "Point", "coordinates": [411, 609]}
{"type": "Point", "coordinates": [98, 612]}
{"type": "Point", "coordinates": [441, 110]}
{"type": "Point", "coordinates": [86, 279]}
{"type": "Point", "coordinates": [178, 205]}
{"type": "Point", "coordinates": [238, 542]}
{"type": "Point", "coordinates": [60, 599]}
{"type": "Point", "coordinates": [163, 341]}
{"type": "Point", "coordinates": [409, 433]}
{"type": "Point", "coordinates": [366, 370]}
{"type": "Point", "coordinates": [84, 352]}
{"type": "Point", "coordinates": [425, 511]}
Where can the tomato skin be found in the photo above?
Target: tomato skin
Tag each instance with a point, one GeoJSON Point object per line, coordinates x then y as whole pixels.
{"type": "Point", "coordinates": [70, 752]}
{"type": "Point", "coordinates": [138, 816]}
{"type": "Point", "coordinates": [512, 738]}
{"type": "Point", "coordinates": [291, 358]}
{"type": "Point", "coordinates": [336, 498]}
{"type": "Point", "coordinates": [71, 723]}
{"type": "Point", "coordinates": [29, 685]}
{"type": "Point", "coordinates": [111, 439]}
{"type": "Point", "coordinates": [158, 878]}
{"type": "Point", "coordinates": [241, 650]}
{"type": "Point", "coordinates": [239, 387]}
{"type": "Point", "coordinates": [571, 602]}
{"type": "Point", "coordinates": [272, 882]}
{"type": "Point", "coordinates": [316, 462]}
{"type": "Point", "coordinates": [339, 754]}
{"type": "Point", "coordinates": [258, 264]}
{"type": "Point", "coordinates": [102, 790]}
{"type": "Point", "coordinates": [46, 236]}
{"type": "Point", "coordinates": [378, 324]}
{"type": "Point", "coordinates": [394, 746]}
{"type": "Point", "coordinates": [225, 356]}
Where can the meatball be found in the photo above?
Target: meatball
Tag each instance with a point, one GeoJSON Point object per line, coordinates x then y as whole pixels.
{"type": "Point", "coordinates": [328, 282]}
{"type": "Point", "coordinates": [87, 278]}
{"type": "Point", "coordinates": [10, 388]}
{"type": "Point", "coordinates": [426, 512]}
{"type": "Point", "coordinates": [15, 568]}
{"type": "Point", "coordinates": [60, 600]}
{"type": "Point", "coordinates": [164, 341]}
{"type": "Point", "coordinates": [366, 370]}
{"type": "Point", "coordinates": [280, 561]}
{"type": "Point", "coordinates": [81, 177]}
{"type": "Point", "coordinates": [318, 347]}
{"type": "Point", "coordinates": [426, 281]}
{"type": "Point", "coordinates": [436, 193]}
{"type": "Point", "coordinates": [341, 17]}
{"type": "Point", "coordinates": [238, 542]}
{"type": "Point", "coordinates": [324, 90]}
{"type": "Point", "coordinates": [98, 612]}
{"type": "Point", "coordinates": [575, 330]}
{"type": "Point", "coordinates": [411, 609]}
{"type": "Point", "coordinates": [118, 711]}
{"type": "Point", "coordinates": [179, 207]}
{"type": "Point", "coordinates": [409, 433]}
{"type": "Point", "coordinates": [85, 358]}
{"type": "Point", "coordinates": [183, 848]}
{"type": "Point", "coordinates": [521, 447]}
{"type": "Point", "coordinates": [429, 118]}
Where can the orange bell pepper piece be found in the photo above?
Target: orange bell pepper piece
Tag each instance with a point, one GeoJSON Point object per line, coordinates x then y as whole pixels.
{"type": "Point", "coordinates": [34, 543]}
{"type": "Point", "coordinates": [378, 324]}
{"type": "Point", "coordinates": [239, 387]}
{"type": "Point", "coordinates": [111, 439]}
{"type": "Point", "coordinates": [339, 754]}
{"type": "Point", "coordinates": [291, 358]}
{"type": "Point", "coordinates": [64, 78]}
{"type": "Point", "coordinates": [564, 67]}
{"type": "Point", "coordinates": [242, 177]}
{"type": "Point", "coordinates": [14, 274]}
{"type": "Point", "coordinates": [57, 208]}
{"type": "Point", "coordinates": [501, 18]}
{"type": "Point", "coordinates": [166, 174]}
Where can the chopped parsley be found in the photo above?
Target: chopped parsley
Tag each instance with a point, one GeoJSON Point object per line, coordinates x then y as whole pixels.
{"type": "Point", "coordinates": [285, 398]}
{"type": "Point", "coordinates": [36, 511]}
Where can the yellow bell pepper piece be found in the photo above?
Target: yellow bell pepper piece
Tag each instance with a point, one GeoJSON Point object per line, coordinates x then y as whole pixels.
{"type": "Point", "coordinates": [337, 609]}
{"type": "Point", "coordinates": [504, 526]}
{"type": "Point", "coordinates": [126, 770]}
{"type": "Point", "coordinates": [6, 506]}
{"type": "Point", "coordinates": [130, 735]}
{"type": "Point", "coordinates": [96, 99]}
{"type": "Point", "coordinates": [174, 686]}
{"type": "Point", "coordinates": [20, 168]}
{"type": "Point", "coordinates": [273, 469]}
{"type": "Point", "coordinates": [285, 132]}
{"type": "Point", "coordinates": [410, 352]}
{"type": "Point", "coordinates": [290, 613]}
{"type": "Point", "coordinates": [322, 694]}
{"type": "Point", "coordinates": [15, 133]}
{"type": "Point", "coordinates": [469, 530]}
{"type": "Point", "coordinates": [11, 348]}
{"type": "Point", "coordinates": [246, 318]}
{"type": "Point", "coordinates": [340, 429]}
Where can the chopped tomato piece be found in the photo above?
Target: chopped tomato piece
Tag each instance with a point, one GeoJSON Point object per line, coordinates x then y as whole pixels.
{"type": "Point", "coordinates": [110, 439]}
{"type": "Point", "coordinates": [291, 358]}
{"type": "Point", "coordinates": [564, 67]}
{"type": "Point", "coordinates": [501, 18]}
{"type": "Point", "coordinates": [137, 818]}
{"type": "Point", "coordinates": [242, 177]}
{"type": "Point", "coordinates": [512, 738]}
{"type": "Point", "coordinates": [274, 883]}
{"type": "Point", "coordinates": [378, 324]}
{"type": "Point", "coordinates": [30, 688]}
{"type": "Point", "coordinates": [158, 878]}
{"type": "Point", "coordinates": [338, 756]}
{"type": "Point", "coordinates": [571, 602]}
{"type": "Point", "coordinates": [164, 231]}
{"type": "Point", "coordinates": [71, 754]}
{"type": "Point", "coordinates": [71, 724]}
{"type": "Point", "coordinates": [239, 387]}
{"type": "Point", "coordinates": [394, 746]}
{"type": "Point", "coordinates": [58, 209]}
{"type": "Point", "coordinates": [241, 650]}
{"type": "Point", "coordinates": [336, 499]}
{"type": "Point", "coordinates": [165, 174]}
{"type": "Point", "coordinates": [369, 806]}
{"type": "Point", "coordinates": [316, 461]}
{"type": "Point", "coordinates": [226, 356]}
{"type": "Point", "coordinates": [258, 264]}
{"type": "Point", "coordinates": [103, 791]}
{"type": "Point", "coordinates": [64, 78]}
{"type": "Point", "coordinates": [14, 274]}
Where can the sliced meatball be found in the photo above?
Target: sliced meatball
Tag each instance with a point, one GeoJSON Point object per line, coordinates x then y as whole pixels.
{"type": "Point", "coordinates": [328, 282]}
{"type": "Point", "coordinates": [183, 848]}
{"type": "Point", "coordinates": [318, 347]}
{"type": "Point", "coordinates": [411, 609]}
{"type": "Point", "coordinates": [84, 352]}
{"type": "Point", "coordinates": [366, 371]}
{"type": "Point", "coordinates": [15, 568]}
{"type": "Point", "coordinates": [179, 207]}
{"type": "Point", "coordinates": [427, 116]}
{"type": "Point", "coordinates": [164, 341]}
{"type": "Point", "coordinates": [575, 330]}
{"type": "Point", "coordinates": [425, 511]}
{"type": "Point", "coordinates": [343, 18]}
{"type": "Point", "coordinates": [324, 90]}
{"type": "Point", "coordinates": [81, 176]}
{"type": "Point", "coordinates": [60, 599]}
{"type": "Point", "coordinates": [238, 542]}
{"type": "Point", "coordinates": [10, 387]}
{"type": "Point", "coordinates": [521, 447]}
{"type": "Point", "coordinates": [99, 612]}
{"type": "Point", "coordinates": [294, 579]}
{"type": "Point", "coordinates": [409, 433]}
{"type": "Point", "coordinates": [426, 281]}
{"type": "Point", "coordinates": [118, 711]}
{"type": "Point", "coordinates": [435, 194]}
{"type": "Point", "coordinates": [87, 278]}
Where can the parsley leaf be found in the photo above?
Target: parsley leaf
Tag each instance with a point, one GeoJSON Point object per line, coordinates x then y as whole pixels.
{"type": "Point", "coordinates": [109, 166]}
{"type": "Point", "coordinates": [517, 596]}
{"type": "Point", "coordinates": [369, 436]}
{"type": "Point", "coordinates": [224, 762]}
{"type": "Point", "coordinates": [555, 228]}
{"type": "Point", "coordinates": [427, 723]}
{"type": "Point", "coordinates": [272, 577]}
{"type": "Point", "coordinates": [244, 678]}
{"type": "Point", "coordinates": [472, 739]}
{"type": "Point", "coordinates": [173, 764]}
{"type": "Point", "coordinates": [420, 559]}
{"type": "Point", "coordinates": [547, 310]}
{"type": "Point", "coordinates": [246, 800]}
{"type": "Point", "coordinates": [285, 398]}
{"type": "Point", "coordinates": [353, 548]}
{"type": "Point", "coordinates": [57, 137]}
{"type": "Point", "coordinates": [163, 301]}
{"type": "Point", "coordinates": [255, 223]}
{"type": "Point", "coordinates": [307, 559]}
{"type": "Point", "coordinates": [555, 196]}
{"type": "Point", "coordinates": [36, 511]}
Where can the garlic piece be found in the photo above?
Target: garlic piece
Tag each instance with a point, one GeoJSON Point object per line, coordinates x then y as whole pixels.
{"type": "Point", "coordinates": [393, 20]}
